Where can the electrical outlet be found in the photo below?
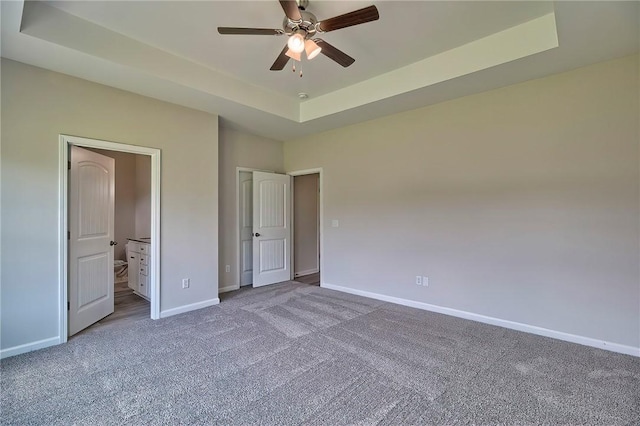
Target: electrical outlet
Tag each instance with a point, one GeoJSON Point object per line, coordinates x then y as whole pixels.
{"type": "Point", "coordinates": [227, 268]}
{"type": "Point", "coordinates": [418, 280]}
{"type": "Point", "coordinates": [425, 281]}
{"type": "Point", "coordinates": [186, 282]}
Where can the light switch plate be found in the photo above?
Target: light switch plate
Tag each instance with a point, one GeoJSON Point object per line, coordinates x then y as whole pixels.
{"type": "Point", "coordinates": [335, 223]}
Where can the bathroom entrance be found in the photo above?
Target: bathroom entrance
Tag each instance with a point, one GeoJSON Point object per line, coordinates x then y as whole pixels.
{"type": "Point", "coordinates": [132, 234]}
{"type": "Point", "coordinates": [112, 232]}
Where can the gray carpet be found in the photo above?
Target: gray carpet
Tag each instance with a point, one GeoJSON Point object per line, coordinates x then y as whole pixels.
{"type": "Point", "coordinates": [298, 354]}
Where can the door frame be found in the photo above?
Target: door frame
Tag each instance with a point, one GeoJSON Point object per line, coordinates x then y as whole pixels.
{"type": "Point", "coordinates": [319, 172]}
{"type": "Point", "coordinates": [65, 141]}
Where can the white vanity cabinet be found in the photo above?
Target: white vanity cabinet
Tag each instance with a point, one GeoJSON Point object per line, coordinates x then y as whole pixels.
{"type": "Point", "coordinates": [143, 276]}
{"type": "Point", "coordinates": [138, 258]}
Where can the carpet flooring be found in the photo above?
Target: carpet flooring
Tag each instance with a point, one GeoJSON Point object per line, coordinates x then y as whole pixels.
{"type": "Point", "coordinates": [293, 353]}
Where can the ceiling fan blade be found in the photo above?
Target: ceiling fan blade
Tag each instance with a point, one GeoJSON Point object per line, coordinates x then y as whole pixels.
{"type": "Point", "coordinates": [249, 31]}
{"type": "Point", "coordinates": [333, 53]}
{"type": "Point", "coordinates": [281, 60]}
{"type": "Point", "coordinates": [356, 17]}
{"type": "Point", "coordinates": [290, 8]}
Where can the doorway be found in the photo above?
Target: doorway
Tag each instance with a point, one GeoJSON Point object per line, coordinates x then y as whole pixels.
{"type": "Point", "coordinates": [306, 228]}
{"type": "Point", "coordinates": [132, 234]}
{"type": "Point", "coordinates": [66, 211]}
{"type": "Point", "coordinates": [308, 249]}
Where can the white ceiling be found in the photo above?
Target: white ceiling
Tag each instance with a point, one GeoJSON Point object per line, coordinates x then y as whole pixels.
{"type": "Point", "coordinates": [418, 53]}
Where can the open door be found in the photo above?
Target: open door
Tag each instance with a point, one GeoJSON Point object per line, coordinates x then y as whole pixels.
{"type": "Point", "coordinates": [91, 234]}
{"type": "Point", "coordinates": [271, 228]}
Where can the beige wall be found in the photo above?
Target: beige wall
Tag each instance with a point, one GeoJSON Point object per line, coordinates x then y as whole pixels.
{"type": "Point", "coordinates": [305, 224]}
{"type": "Point", "coordinates": [239, 149]}
{"type": "Point", "coordinates": [37, 106]}
{"type": "Point", "coordinates": [520, 203]}
{"type": "Point", "coordinates": [125, 198]}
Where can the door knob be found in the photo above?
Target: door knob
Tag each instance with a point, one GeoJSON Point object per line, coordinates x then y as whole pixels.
{"type": "Point", "coordinates": [257, 234]}
{"type": "Point", "coordinates": [113, 243]}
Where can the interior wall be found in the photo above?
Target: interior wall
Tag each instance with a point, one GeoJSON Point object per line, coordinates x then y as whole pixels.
{"type": "Point", "coordinates": [125, 199]}
{"type": "Point", "coordinates": [305, 224]}
{"type": "Point", "coordinates": [520, 203]}
{"type": "Point", "coordinates": [143, 196]}
{"type": "Point", "coordinates": [37, 106]}
{"type": "Point", "coordinates": [239, 149]}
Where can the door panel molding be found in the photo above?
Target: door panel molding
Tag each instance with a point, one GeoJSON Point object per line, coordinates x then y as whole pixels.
{"type": "Point", "coordinates": [272, 228]}
{"type": "Point", "coordinates": [65, 141]}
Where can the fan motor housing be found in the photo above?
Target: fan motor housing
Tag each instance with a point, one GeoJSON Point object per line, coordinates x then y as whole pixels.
{"type": "Point", "coordinates": [308, 24]}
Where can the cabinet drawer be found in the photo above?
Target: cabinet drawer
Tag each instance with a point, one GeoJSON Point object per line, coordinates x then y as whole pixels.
{"type": "Point", "coordinates": [144, 259]}
{"type": "Point", "coordinates": [144, 270]}
{"type": "Point", "coordinates": [144, 248]}
{"type": "Point", "coordinates": [133, 247]}
{"type": "Point", "coordinates": [144, 285]}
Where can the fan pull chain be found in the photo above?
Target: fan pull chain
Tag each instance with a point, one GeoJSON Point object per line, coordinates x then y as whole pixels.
{"type": "Point", "coordinates": [293, 68]}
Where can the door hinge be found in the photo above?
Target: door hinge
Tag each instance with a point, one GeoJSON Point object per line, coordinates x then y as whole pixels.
{"type": "Point", "coordinates": [68, 235]}
{"type": "Point", "coordinates": [68, 306]}
{"type": "Point", "coordinates": [69, 165]}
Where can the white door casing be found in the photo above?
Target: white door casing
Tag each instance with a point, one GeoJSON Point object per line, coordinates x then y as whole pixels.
{"type": "Point", "coordinates": [246, 227]}
{"type": "Point", "coordinates": [91, 223]}
{"type": "Point", "coordinates": [271, 228]}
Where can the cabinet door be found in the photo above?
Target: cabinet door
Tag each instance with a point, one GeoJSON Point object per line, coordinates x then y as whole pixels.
{"type": "Point", "coordinates": [134, 271]}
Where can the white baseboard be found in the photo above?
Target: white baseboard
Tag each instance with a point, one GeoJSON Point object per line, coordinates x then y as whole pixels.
{"type": "Point", "coordinates": [560, 335]}
{"type": "Point", "coordinates": [307, 272]}
{"type": "Point", "coordinates": [188, 308]}
{"type": "Point", "coordinates": [228, 288]}
{"type": "Point", "coordinates": [28, 347]}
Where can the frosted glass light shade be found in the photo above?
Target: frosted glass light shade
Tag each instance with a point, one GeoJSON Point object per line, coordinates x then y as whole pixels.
{"type": "Point", "coordinates": [312, 49]}
{"type": "Point", "coordinates": [296, 43]}
{"type": "Point", "coordinates": [293, 55]}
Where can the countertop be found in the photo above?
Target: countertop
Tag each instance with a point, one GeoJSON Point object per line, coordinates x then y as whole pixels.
{"type": "Point", "coordinates": [141, 239]}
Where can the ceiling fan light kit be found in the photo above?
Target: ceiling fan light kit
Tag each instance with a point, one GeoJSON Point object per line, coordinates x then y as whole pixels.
{"type": "Point", "coordinates": [301, 26]}
{"type": "Point", "coordinates": [296, 56]}
{"type": "Point", "coordinates": [296, 41]}
{"type": "Point", "coordinates": [311, 49]}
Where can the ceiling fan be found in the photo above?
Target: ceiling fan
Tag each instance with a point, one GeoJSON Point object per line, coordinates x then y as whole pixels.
{"type": "Point", "coordinates": [301, 27]}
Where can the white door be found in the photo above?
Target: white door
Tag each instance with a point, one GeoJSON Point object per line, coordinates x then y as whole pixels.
{"type": "Point", "coordinates": [271, 228]}
{"type": "Point", "coordinates": [91, 212]}
{"type": "Point", "coordinates": [246, 227]}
